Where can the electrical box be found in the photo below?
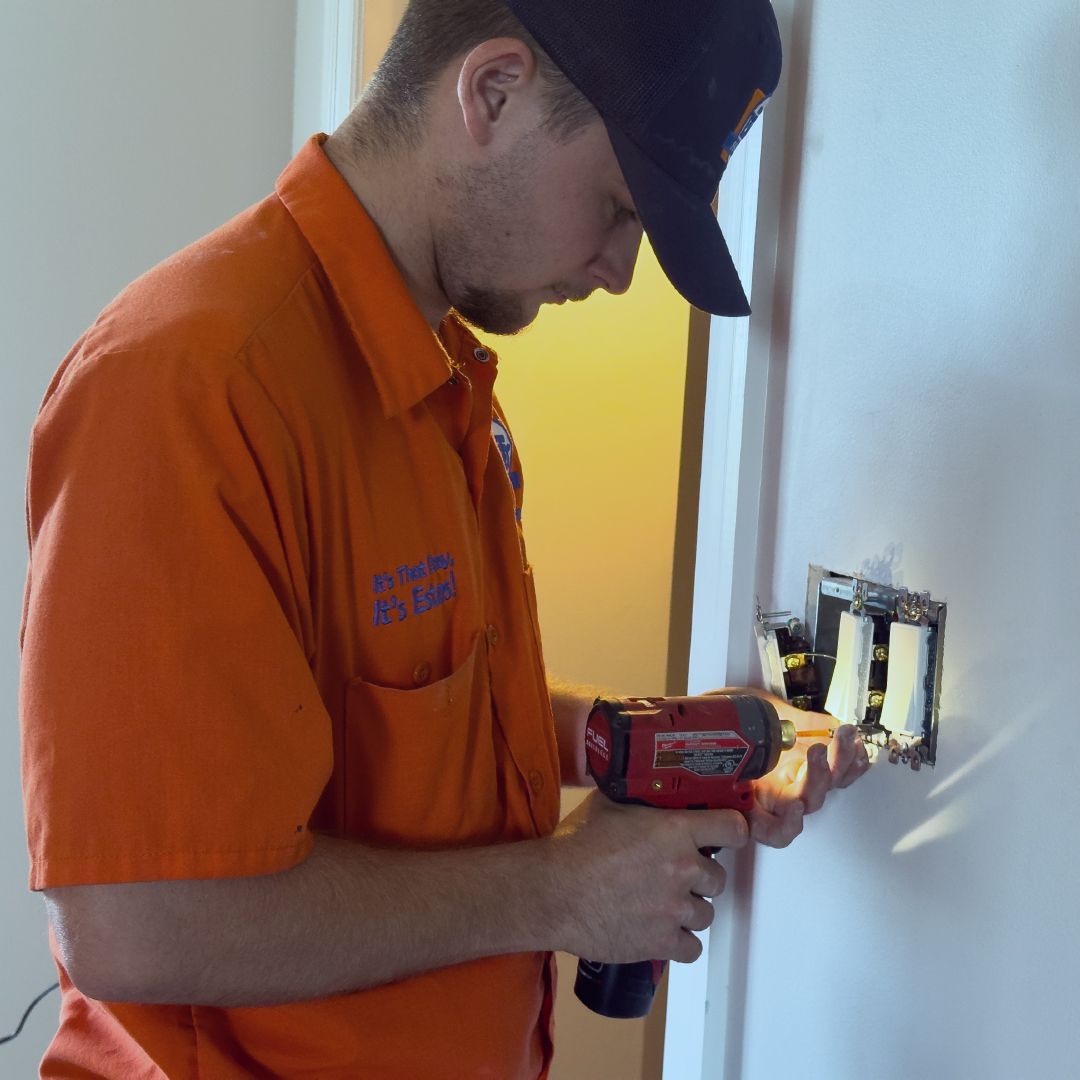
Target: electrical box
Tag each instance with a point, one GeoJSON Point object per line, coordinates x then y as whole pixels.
{"type": "Point", "coordinates": [868, 654]}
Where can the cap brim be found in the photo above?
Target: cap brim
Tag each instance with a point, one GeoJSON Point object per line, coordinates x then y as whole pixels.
{"type": "Point", "coordinates": [683, 231]}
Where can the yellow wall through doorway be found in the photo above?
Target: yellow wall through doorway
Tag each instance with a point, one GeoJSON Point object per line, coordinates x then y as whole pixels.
{"type": "Point", "coordinates": [594, 394]}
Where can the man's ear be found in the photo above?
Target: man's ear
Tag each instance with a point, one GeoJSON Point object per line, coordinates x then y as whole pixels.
{"type": "Point", "coordinates": [496, 75]}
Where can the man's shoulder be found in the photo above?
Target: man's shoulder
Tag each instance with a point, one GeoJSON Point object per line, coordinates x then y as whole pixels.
{"type": "Point", "coordinates": [211, 296]}
{"type": "Point", "coordinates": [178, 333]}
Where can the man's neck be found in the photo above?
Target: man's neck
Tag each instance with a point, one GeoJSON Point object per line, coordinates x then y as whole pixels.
{"type": "Point", "coordinates": [392, 190]}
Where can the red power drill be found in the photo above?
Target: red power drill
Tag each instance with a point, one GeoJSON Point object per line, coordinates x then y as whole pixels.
{"type": "Point", "coordinates": [689, 753]}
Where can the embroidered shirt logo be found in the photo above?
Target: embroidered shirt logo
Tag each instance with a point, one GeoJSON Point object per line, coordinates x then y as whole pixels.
{"type": "Point", "coordinates": [504, 443]}
{"type": "Point", "coordinates": [413, 588]}
{"type": "Point", "coordinates": [505, 446]}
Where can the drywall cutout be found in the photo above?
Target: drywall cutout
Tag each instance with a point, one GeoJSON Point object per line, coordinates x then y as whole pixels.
{"type": "Point", "coordinates": [868, 654]}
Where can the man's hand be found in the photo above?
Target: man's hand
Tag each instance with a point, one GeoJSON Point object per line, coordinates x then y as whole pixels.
{"type": "Point", "coordinates": [799, 784]}
{"type": "Point", "coordinates": [629, 883]}
{"type": "Point", "coordinates": [805, 775]}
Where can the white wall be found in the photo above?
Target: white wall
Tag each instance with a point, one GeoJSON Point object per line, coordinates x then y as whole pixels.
{"type": "Point", "coordinates": [127, 130]}
{"type": "Point", "coordinates": [925, 427]}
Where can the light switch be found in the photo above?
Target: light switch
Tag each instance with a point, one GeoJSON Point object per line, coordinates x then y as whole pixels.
{"type": "Point", "coordinates": [905, 688]}
{"type": "Point", "coordinates": [850, 683]}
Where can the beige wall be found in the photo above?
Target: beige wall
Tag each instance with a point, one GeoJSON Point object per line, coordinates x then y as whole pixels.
{"type": "Point", "coordinates": [594, 394]}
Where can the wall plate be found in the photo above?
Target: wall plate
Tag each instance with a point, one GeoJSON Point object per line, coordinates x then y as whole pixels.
{"type": "Point", "coordinates": [853, 630]}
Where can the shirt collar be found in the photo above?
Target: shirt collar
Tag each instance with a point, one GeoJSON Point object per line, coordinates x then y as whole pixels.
{"type": "Point", "coordinates": [408, 360]}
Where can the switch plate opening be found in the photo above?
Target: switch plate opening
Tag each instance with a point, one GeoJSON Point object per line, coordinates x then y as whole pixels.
{"type": "Point", "coordinates": [869, 654]}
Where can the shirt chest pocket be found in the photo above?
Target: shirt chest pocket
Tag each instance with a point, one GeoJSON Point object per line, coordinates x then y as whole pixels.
{"type": "Point", "coordinates": [421, 765]}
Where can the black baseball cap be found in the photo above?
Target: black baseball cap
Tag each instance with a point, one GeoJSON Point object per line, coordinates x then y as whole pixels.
{"type": "Point", "coordinates": [678, 84]}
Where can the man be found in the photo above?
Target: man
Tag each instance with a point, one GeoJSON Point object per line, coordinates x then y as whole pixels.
{"type": "Point", "coordinates": [291, 765]}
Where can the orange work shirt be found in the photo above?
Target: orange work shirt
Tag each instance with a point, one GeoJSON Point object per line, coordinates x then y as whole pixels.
{"type": "Point", "coordinates": [277, 586]}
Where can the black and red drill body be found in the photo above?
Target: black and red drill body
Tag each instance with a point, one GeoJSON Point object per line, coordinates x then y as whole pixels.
{"type": "Point", "coordinates": [689, 753]}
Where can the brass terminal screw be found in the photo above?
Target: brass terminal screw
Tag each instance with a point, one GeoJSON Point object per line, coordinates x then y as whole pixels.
{"type": "Point", "coordinates": [794, 661]}
{"type": "Point", "coordinates": [876, 700]}
{"type": "Point", "coordinates": [881, 652]}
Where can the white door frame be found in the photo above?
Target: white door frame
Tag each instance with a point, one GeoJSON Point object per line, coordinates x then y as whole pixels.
{"type": "Point", "coordinates": [704, 1032]}
{"type": "Point", "coordinates": [733, 430]}
{"type": "Point", "coordinates": [329, 43]}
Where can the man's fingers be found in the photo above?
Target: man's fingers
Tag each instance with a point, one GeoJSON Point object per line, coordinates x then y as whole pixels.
{"type": "Point", "coordinates": [848, 759]}
{"type": "Point", "coordinates": [699, 916]}
{"type": "Point", "coordinates": [842, 749]}
{"type": "Point", "coordinates": [713, 880]}
{"type": "Point", "coordinates": [718, 828]}
{"type": "Point", "coordinates": [818, 779]}
{"type": "Point", "coordinates": [690, 948]}
{"type": "Point", "coordinates": [860, 762]}
{"type": "Point", "coordinates": [777, 830]}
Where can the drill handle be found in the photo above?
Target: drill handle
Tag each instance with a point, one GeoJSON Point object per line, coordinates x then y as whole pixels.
{"type": "Point", "coordinates": [622, 991]}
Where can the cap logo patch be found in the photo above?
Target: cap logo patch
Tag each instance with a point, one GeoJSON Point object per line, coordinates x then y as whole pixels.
{"type": "Point", "coordinates": [742, 128]}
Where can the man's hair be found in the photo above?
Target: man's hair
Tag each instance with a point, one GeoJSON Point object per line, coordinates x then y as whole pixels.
{"type": "Point", "coordinates": [432, 34]}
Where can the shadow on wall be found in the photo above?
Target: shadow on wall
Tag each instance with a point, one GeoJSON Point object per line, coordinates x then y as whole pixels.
{"type": "Point", "coordinates": [883, 569]}
{"type": "Point", "coordinates": [954, 813]}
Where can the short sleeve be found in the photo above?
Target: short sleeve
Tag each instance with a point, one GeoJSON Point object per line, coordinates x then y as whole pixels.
{"type": "Point", "coordinates": [171, 724]}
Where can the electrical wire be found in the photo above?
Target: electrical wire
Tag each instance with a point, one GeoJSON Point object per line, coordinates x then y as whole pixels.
{"type": "Point", "coordinates": [29, 1009]}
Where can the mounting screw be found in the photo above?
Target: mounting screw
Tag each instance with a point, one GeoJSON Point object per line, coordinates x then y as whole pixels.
{"type": "Point", "coordinates": [657, 785]}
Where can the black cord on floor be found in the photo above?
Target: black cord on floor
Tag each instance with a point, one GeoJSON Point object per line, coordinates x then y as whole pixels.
{"type": "Point", "coordinates": [29, 1009]}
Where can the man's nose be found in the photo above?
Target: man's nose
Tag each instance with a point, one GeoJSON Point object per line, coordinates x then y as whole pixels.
{"type": "Point", "coordinates": [613, 268]}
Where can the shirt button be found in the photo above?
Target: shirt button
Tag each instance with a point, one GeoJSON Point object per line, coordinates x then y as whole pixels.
{"type": "Point", "coordinates": [481, 354]}
{"type": "Point", "coordinates": [493, 635]}
{"type": "Point", "coordinates": [421, 673]}
{"type": "Point", "coordinates": [536, 781]}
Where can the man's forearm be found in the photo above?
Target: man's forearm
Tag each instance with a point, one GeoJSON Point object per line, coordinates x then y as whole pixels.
{"type": "Point", "coordinates": [347, 918]}
{"type": "Point", "coordinates": [571, 704]}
